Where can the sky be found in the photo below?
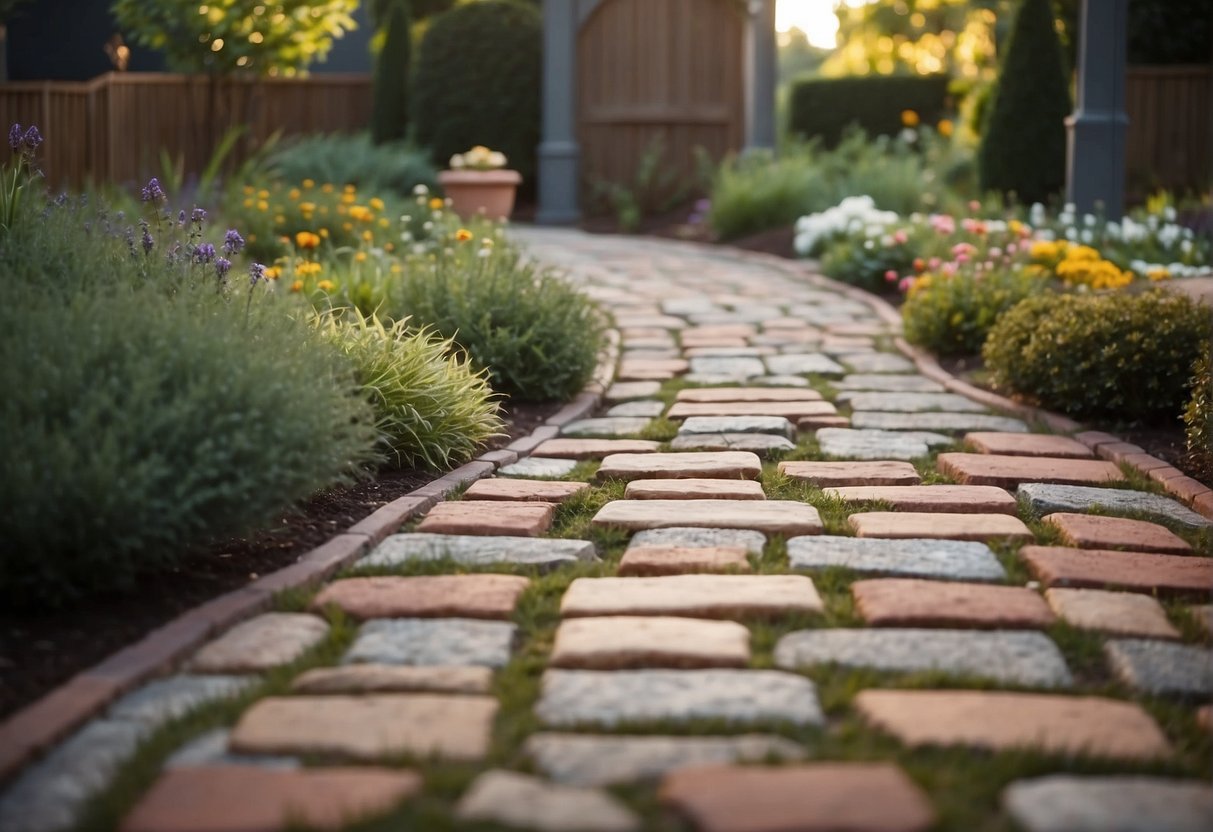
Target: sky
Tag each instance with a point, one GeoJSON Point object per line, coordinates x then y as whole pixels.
{"type": "Point", "coordinates": [814, 17]}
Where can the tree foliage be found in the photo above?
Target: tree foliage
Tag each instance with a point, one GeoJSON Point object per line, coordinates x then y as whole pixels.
{"type": "Point", "coordinates": [390, 114]}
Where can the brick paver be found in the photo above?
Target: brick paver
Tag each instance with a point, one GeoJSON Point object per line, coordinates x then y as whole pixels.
{"type": "Point", "coordinates": [1135, 571]}
{"type": "Point", "coordinates": [793, 411]}
{"type": "Point", "coordinates": [957, 499]}
{"type": "Point", "coordinates": [1119, 613]}
{"type": "Point", "coordinates": [378, 678]}
{"type": "Point", "coordinates": [1090, 531]}
{"type": "Point", "coordinates": [785, 517]}
{"type": "Point", "coordinates": [515, 490]}
{"type": "Point", "coordinates": [705, 596]}
{"type": "Point", "coordinates": [594, 448]}
{"type": "Point", "coordinates": [723, 465]}
{"type": "Point", "coordinates": [850, 474]}
{"type": "Point", "coordinates": [945, 526]}
{"type": "Point", "coordinates": [694, 489]}
{"type": "Point", "coordinates": [524, 802]}
{"type": "Point", "coordinates": [909, 602]}
{"type": "Point", "coordinates": [747, 394]}
{"type": "Point", "coordinates": [622, 641]}
{"type": "Point", "coordinates": [1010, 471]}
{"type": "Point", "coordinates": [1028, 444]}
{"type": "Point", "coordinates": [467, 596]}
{"type": "Point", "coordinates": [489, 517]}
{"type": "Point", "coordinates": [261, 643]}
{"type": "Point", "coordinates": [652, 561]}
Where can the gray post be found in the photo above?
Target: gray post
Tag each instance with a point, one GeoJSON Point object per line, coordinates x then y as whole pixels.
{"type": "Point", "coordinates": [1095, 158]}
{"type": "Point", "coordinates": [558, 151]}
{"type": "Point", "coordinates": [761, 53]}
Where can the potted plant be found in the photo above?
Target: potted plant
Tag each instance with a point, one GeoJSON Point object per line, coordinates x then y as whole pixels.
{"type": "Point", "coordinates": [479, 183]}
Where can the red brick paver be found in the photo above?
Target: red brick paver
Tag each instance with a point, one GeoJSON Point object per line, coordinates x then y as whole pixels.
{"type": "Point", "coordinates": [907, 602]}
{"type": "Point", "coordinates": [426, 596]}
{"type": "Point", "coordinates": [958, 499]}
{"type": "Point", "coordinates": [546, 491]}
{"type": "Point", "coordinates": [1136, 571]}
{"type": "Point", "coordinates": [909, 525]}
{"type": "Point", "coordinates": [850, 474]}
{"type": "Point", "coordinates": [1010, 471]}
{"type": "Point", "coordinates": [489, 517]}
{"type": "Point", "coordinates": [1028, 444]}
{"type": "Point", "coordinates": [628, 641]}
{"type": "Point", "coordinates": [1089, 531]}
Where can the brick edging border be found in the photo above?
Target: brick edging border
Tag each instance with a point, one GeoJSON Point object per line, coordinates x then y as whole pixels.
{"type": "Point", "coordinates": [42, 723]}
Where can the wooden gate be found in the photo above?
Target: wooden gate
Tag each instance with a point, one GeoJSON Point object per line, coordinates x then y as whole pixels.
{"type": "Point", "coordinates": [667, 71]}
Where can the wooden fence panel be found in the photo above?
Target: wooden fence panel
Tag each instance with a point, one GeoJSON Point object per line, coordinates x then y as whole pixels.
{"type": "Point", "coordinates": [1170, 136]}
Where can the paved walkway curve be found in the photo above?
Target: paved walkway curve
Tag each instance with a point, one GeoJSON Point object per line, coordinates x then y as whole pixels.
{"type": "Point", "coordinates": [782, 581]}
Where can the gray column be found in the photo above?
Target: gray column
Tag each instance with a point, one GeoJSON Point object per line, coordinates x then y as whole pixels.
{"type": "Point", "coordinates": [1095, 155]}
{"type": "Point", "coordinates": [761, 55]}
{"type": "Point", "coordinates": [558, 151]}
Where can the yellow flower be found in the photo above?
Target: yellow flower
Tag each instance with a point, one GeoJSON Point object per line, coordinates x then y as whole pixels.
{"type": "Point", "coordinates": [326, 286]}
{"type": "Point", "coordinates": [436, 204]}
{"type": "Point", "coordinates": [309, 184]}
{"type": "Point", "coordinates": [348, 226]}
{"type": "Point", "coordinates": [279, 219]}
{"type": "Point", "coordinates": [350, 189]}
{"type": "Point", "coordinates": [294, 193]}
{"type": "Point", "coordinates": [463, 235]}
{"type": "Point", "coordinates": [263, 206]}
{"type": "Point", "coordinates": [324, 233]}
{"type": "Point", "coordinates": [384, 222]}
{"type": "Point", "coordinates": [945, 127]}
{"type": "Point", "coordinates": [327, 187]}
{"type": "Point", "coordinates": [348, 198]}
{"type": "Point", "coordinates": [909, 118]}
{"type": "Point", "coordinates": [361, 213]}
{"type": "Point", "coordinates": [1158, 274]}
{"type": "Point", "coordinates": [273, 272]}
{"type": "Point", "coordinates": [307, 207]}
{"type": "Point", "coordinates": [389, 246]}
{"type": "Point", "coordinates": [306, 239]}
{"type": "Point", "coordinates": [376, 203]}
{"type": "Point", "coordinates": [297, 286]}
{"type": "Point", "coordinates": [263, 194]}
{"type": "Point", "coordinates": [1044, 250]}
{"type": "Point", "coordinates": [396, 268]}
{"type": "Point", "coordinates": [248, 190]}
{"type": "Point", "coordinates": [360, 257]}
{"type": "Point", "coordinates": [248, 203]}
{"type": "Point", "coordinates": [1079, 253]}
{"type": "Point", "coordinates": [368, 235]}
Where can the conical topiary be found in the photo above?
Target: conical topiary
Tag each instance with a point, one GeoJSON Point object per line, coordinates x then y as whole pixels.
{"type": "Point", "coordinates": [390, 114]}
{"type": "Point", "coordinates": [1023, 150]}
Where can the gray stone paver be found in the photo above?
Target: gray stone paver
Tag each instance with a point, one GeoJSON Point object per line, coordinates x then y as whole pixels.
{"type": "Point", "coordinates": [525, 802]}
{"type": "Point", "coordinates": [696, 537]}
{"type": "Point", "coordinates": [211, 749]}
{"type": "Point", "coordinates": [538, 466]}
{"type": "Point", "coordinates": [622, 391]}
{"type": "Point", "coordinates": [876, 420]}
{"type": "Point", "coordinates": [958, 560]}
{"type": "Point", "coordinates": [433, 641]}
{"type": "Point", "coordinates": [912, 402]}
{"type": "Point", "coordinates": [877, 362]}
{"type": "Point", "coordinates": [1161, 667]}
{"type": "Point", "coordinates": [641, 408]}
{"type": "Point", "coordinates": [164, 700]}
{"type": "Point", "coordinates": [851, 443]}
{"type": "Point", "coordinates": [1046, 499]}
{"type": "Point", "coordinates": [475, 550]}
{"type": "Point", "coordinates": [777, 425]}
{"type": "Point", "coordinates": [803, 364]}
{"type": "Point", "coordinates": [261, 643]}
{"type": "Point", "coordinates": [763, 444]}
{"type": "Point", "coordinates": [1117, 803]}
{"type": "Point", "coordinates": [887, 384]}
{"type": "Point", "coordinates": [606, 426]}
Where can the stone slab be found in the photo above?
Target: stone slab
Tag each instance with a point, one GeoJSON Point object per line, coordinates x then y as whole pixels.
{"type": "Point", "coordinates": [1161, 668]}
{"type": "Point", "coordinates": [632, 642]}
{"type": "Point", "coordinates": [1046, 498]}
{"type": "Point", "coordinates": [608, 698]}
{"type": "Point", "coordinates": [740, 367]}
{"type": "Point", "coordinates": [369, 727]}
{"type": "Point", "coordinates": [699, 596]}
{"type": "Point", "coordinates": [161, 701]}
{"type": "Point", "coordinates": [728, 352]}
{"type": "Point", "coordinates": [524, 802]}
{"type": "Point", "coordinates": [878, 444]}
{"type": "Point", "coordinates": [785, 381]}
{"type": "Point", "coordinates": [425, 596]}
{"type": "Point", "coordinates": [432, 641]}
{"type": "Point", "coordinates": [476, 550]}
{"type": "Point", "coordinates": [763, 444]}
{"type": "Point", "coordinates": [591, 760]}
{"type": "Point", "coordinates": [1117, 803]}
{"type": "Point", "coordinates": [594, 448]}
{"type": "Point", "coordinates": [694, 489]}
{"type": "Point", "coordinates": [1090, 531]}
{"type": "Point", "coordinates": [877, 362]}
{"type": "Point", "coordinates": [851, 474]}
{"type": "Point", "coordinates": [951, 422]}
{"type": "Point", "coordinates": [1028, 444]}
{"type": "Point", "coordinates": [647, 408]}
{"type": "Point", "coordinates": [1118, 613]}
{"type": "Point", "coordinates": [888, 383]}
{"type": "Point", "coordinates": [959, 499]}
{"type": "Point", "coordinates": [912, 402]}
{"type": "Point", "coordinates": [606, 426]}
{"type": "Point", "coordinates": [517, 490]}
{"type": "Point", "coordinates": [624, 391]}
{"type": "Point", "coordinates": [496, 517]}
{"type": "Point", "coordinates": [803, 364]}
{"type": "Point", "coordinates": [653, 561]}
{"type": "Point", "coordinates": [792, 411]}
{"type": "Point", "coordinates": [809, 797]}
{"type": "Point", "coordinates": [655, 369]}
{"type": "Point", "coordinates": [380, 678]}
{"type": "Point", "coordinates": [210, 748]}
{"type": "Point", "coordinates": [996, 721]}
{"type": "Point", "coordinates": [786, 517]}
{"type": "Point", "coordinates": [234, 798]}
{"type": "Point", "coordinates": [698, 538]}
{"type": "Point", "coordinates": [957, 560]}
{"type": "Point", "coordinates": [1010, 471]}
{"type": "Point", "coordinates": [1006, 657]}
{"type": "Point", "coordinates": [724, 465]}
{"type": "Point", "coordinates": [747, 394]}
{"type": "Point", "coordinates": [261, 643]}
{"type": "Point", "coordinates": [1134, 571]}
{"type": "Point", "coordinates": [911, 602]}
{"type": "Point", "coordinates": [777, 425]}
{"type": "Point", "coordinates": [535, 466]}
{"type": "Point", "coordinates": [946, 526]}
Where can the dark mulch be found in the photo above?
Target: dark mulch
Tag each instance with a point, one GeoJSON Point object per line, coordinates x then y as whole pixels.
{"type": "Point", "coordinates": [41, 649]}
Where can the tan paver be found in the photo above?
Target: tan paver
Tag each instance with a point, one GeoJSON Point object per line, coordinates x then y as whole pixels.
{"type": "Point", "coordinates": [425, 596]}
{"type": "Point", "coordinates": [997, 721]}
{"type": "Point", "coordinates": [850, 474]}
{"type": "Point", "coordinates": [786, 517]}
{"type": "Point", "coordinates": [748, 394]}
{"type": "Point", "coordinates": [594, 448]}
{"type": "Point", "coordinates": [515, 490]}
{"type": "Point", "coordinates": [1118, 613]}
{"type": "Point", "coordinates": [520, 801]}
{"type": "Point", "coordinates": [699, 596]}
{"type": "Point", "coordinates": [489, 517]}
{"type": "Point", "coordinates": [370, 727]}
{"type": "Point", "coordinates": [731, 465]}
{"type": "Point", "coordinates": [959, 499]}
{"type": "Point", "coordinates": [680, 560]}
{"type": "Point", "coordinates": [792, 411]}
{"type": "Point", "coordinates": [385, 678]}
{"type": "Point", "coordinates": [1135, 571]}
{"type": "Point", "coordinates": [263, 642]}
{"type": "Point", "coordinates": [1090, 531]}
{"type": "Point", "coordinates": [242, 798]}
{"type": "Point", "coordinates": [651, 369]}
{"type": "Point", "coordinates": [811, 797]}
{"type": "Point", "coordinates": [1028, 444]}
{"type": "Point", "coordinates": [619, 642]}
{"type": "Point", "coordinates": [694, 489]}
{"type": "Point", "coordinates": [1009, 471]}
{"type": "Point", "coordinates": [909, 602]}
{"type": "Point", "coordinates": [717, 331]}
{"type": "Point", "coordinates": [944, 526]}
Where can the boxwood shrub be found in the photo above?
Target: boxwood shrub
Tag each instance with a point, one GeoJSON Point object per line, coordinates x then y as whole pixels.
{"type": "Point", "coordinates": [826, 106]}
{"type": "Point", "coordinates": [953, 315]}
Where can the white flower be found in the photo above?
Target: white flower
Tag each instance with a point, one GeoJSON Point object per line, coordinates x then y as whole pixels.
{"type": "Point", "coordinates": [1036, 214]}
{"type": "Point", "coordinates": [456, 162]}
{"type": "Point", "coordinates": [497, 159]}
{"type": "Point", "coordinates": [1169, 214]}
{"type": "Point", "coordinates": [1087, 236]}
{"type": "Point", "coordinates": [420, 190]}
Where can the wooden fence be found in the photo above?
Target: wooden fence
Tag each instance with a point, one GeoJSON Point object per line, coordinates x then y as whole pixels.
{"type": "Point", "coordinates": [114, 127]}
{"type": "Point", "coordinates": [1170, 137]}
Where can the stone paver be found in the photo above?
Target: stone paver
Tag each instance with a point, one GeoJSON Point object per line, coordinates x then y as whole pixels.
{"type": "Point", "coordinates": [433, 641]}
{"type": "Point", "coordinates": [161, 701]}
{"type": "Point", "coordinates": [537, 466]}
{"type": "Point", "coordinates": [594, 448]}
{"type": "Point", "coordinates": [877, 362]}
{"type": "Point", "coordinates": [379, 678]}
{"type": "Point", "coordinates": [426, 596]}
{"type": "Point", "coordinates": [525, 802]}
{"type": "Point", "coordinates": [1119, 613]}
{"type": "Point", "coordinates": [653, 561]}
{"type": "Point", "coordinates": [1162, 668]}
{"type": "Point", "coordinates": [878, 444]}
{"type": "Point", "coordinates": [1046, 498]}
{"type": "Point", "coordinates": [211, 749]}
{"type": "Point", "coordinates": [955, 422]}
{"type": "Point", "coordinates": [810, 797]}
{"type": "Point", "coordinates": [697, 538]}
{"type": "Point", "coordinates": [242, 798]}
{"type": "Point", "coordinates": [888, 383]}
{"type": "Point", "coordinates": [476, 550]}
{"type": "Point", "coordinates": [515, 490]}
{"type": "Point", "coordinates": [1008, 657]}
{"type": "Point", "coordinates": [786, 517]}
{"type": "Point", "coordinates": [959, 499]}
{"type": "Point", "coordinates": [747, 394]}
{"type": "Point", "coordinates": [850, 474]}
{"type": "Point", "coordinates": [606, 426]}
{"type": "Point", "coordinates": [912, 402]}
{"type": "Point", "coordinates": [737, 367]}
{"type": "Point", "coordinates": [625, 391]}
{"type": "Point", "coordinates": [1010, 471]}
{"type": "Point", "coordinates": [793, 411]}
{"type": "Point", "coordinates": [957, 560]}
{"type": "Point", "coordinates": [653, 369]}
{"type": "Point", "coordinates": [261, 643]}
{"type": "Point", "coordinates": [804, 364]}
{"type": "Point", "coordinates": [369, 727]}
{"type": "Point", "coordinates": [727, 465]}
{"type": "Point", "coordinates": [626, 641]}
{"type": "Point", "coordinates": [1117, 803]}
{"type": "Point", "coordinates": [1135, 571]}
{"type": "Point", "coordinates": [946, 526]}
{"type": "Point", "coordinates": [764, 444]}
{"type": "Point", "coordinates": [910, 602]}
{"type": "Point", "coordinates": [496, 517]}
{"type": "Point", "coordinates": [700, 596]}
{"type": "Point", "coordinates": [694, 489]}
{"type": "Point", "coordinates": [608, 698]}
{"type": "Point", "coordinates": [996, 721]}
{"type": "Point", "coordinates": [1028, 444]}
{"type": "Point", "coordinates": [1089, 531]}
{"type": "Point", "coordinates": [648, 408]}
{"type": "Point", "coordinates": [777, 425]}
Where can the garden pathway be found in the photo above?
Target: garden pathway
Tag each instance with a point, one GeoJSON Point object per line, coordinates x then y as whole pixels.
{"type": "Point", "coordinates": [777, 543]}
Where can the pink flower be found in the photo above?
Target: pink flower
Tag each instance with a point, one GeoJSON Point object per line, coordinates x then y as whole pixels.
{"type": "Point", "coordinates": [1012, 248]}
{"type": "Point", "coordinates": [890, 275]}
{"type": "Point", "coordinates": [933, 263]}
{"type": "Point", "coordinates": [949, 269]}
{"type": "Point", "coordinates": [974, 205]}
{"type": "Point", "coordinates": [995, 251]}
{"type": "Point", "coordinates": [962, 258]}
{"type": "Point", "coordinates": [906, 284]}
{"type": "Point", "coordinates": [963, 248]}
{"type": "Point", "coordinates": [900, 236]}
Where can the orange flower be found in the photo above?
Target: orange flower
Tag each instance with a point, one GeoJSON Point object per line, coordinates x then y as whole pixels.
{"type": "Point", "coordinates": [326, 286]}
{"type": "Point", "coordinates": [945, 127]}
{"type": "Point", "coordinates": [436, 204]}
{"type": "Point", "coordinates": [909, 118]}
{"type": "Point", "coordinates": [463, 235]}
{"type": "Point", "coordinates": [297, 286]}
{"type": "Point", "coordinates": [306, 239]}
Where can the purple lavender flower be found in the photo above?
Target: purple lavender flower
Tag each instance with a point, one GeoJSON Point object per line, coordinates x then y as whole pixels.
{"type": "Point", "coordinates": [256, 274]}
{"type": "Point", "coordinates": [15, 136]}
{"type": "Point", "coordinates": [31, 139]}
{"type": "Point", "coordinates": [204, 253]}
{"type": "Point", "coordinates": [148, 242]}
{"type": "Point", "coordinates": [232, 242]}
{"type": "Point", "coordinates": [222, 267]}
{"type": "Point", "coordinates": [181, 218]}
{"type": "Point", "coordinates": [198, 215]}
{"type": "Point", "coordinates": [152, 192]}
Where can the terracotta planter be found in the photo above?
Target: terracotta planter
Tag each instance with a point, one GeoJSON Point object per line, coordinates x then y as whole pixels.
{"type": "Point", "coordinates": [487, 192]}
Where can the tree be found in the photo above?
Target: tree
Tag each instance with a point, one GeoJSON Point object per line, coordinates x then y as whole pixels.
{"type": "Point", "coordinates": [390, 116]}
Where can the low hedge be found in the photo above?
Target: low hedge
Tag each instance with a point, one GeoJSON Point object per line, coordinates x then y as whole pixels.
{"type": "Point", "coordinates": [824, 107]}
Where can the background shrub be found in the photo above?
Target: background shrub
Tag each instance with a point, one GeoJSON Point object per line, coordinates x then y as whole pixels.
{"type": "Point", "coordinates": [353, 160]}
{"type": "Point", "coordinates": [953, 315]}
{"type": "Point", "coordinates": [1121, 356]}
{"type": "Point", "coordinates": [1198, 416]}
{"type": "Point", "coordinates": [852, 261]}
{"type": "Point", "coordinates": [478, 80]}
{"type": "Point", "coordinates": [824, 107]}
{"type": "Point", "coordinates": [759, 191]}
{"type": "Point", "coordinates": [390, 90]}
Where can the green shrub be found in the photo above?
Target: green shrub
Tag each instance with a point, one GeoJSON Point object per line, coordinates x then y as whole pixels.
{"type": "Point", "coordinates": [1198, 416]}
{"type": "Point", "coordinates": [1119, 356]}
{"type": "Point", "coordinates": [851, 260]}
{"type": "Point", "coordinates": [953, 315]}
{"type": "Point", "coordinates": [478, 80]}
{"type": "Point", "coordinates": [758, 191]}
{"type": "Point", "coordinates": [825, 107]}
{"type": "Point", "coordinates": [1023, 149]}
{"type": "Point", "coordinates": [538, 337]}
{"type": "Point", "coordinates": [431, 408]}
{"type": "Point", "coordinates": [390, 92]}
{"type": "Point", "coordinates": [140, 424]}
{"type": "Point", "coordinates": [353, 160]}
